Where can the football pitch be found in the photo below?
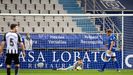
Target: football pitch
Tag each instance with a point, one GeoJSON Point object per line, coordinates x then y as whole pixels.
{"type": "Point", "coordinates": [83, 72]}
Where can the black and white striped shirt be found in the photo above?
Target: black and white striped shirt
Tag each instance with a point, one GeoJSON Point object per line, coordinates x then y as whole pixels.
{"type": "Point", "coordinates": [12, 40]}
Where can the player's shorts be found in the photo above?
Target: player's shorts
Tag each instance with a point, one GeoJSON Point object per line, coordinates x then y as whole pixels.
{"type": "Point", "coordinates": [113, 54]}
{"type": "Point", "coordinates": [12, 57]}
{"type": "Point", "coordinates": [110, 56]}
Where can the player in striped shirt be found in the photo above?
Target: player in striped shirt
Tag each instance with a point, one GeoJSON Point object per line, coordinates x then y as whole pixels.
{"type": "Point", "coordinates": [11, 39]}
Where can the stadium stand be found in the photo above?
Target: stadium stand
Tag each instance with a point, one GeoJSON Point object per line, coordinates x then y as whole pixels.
{"type": "Point", "coordinates": [44, 7]}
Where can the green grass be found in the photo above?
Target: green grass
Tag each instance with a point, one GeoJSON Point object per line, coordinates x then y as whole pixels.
{"type": "Point", "coordinates": [83, 72]}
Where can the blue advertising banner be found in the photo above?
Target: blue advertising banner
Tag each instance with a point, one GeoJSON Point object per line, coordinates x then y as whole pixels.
{"type": "Point", "coordinates": [67, 40]}
{"type": "Point", "coordinates": [49, 59]}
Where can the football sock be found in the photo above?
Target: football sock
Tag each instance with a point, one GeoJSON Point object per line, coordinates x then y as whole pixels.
{"type": "Point", "coordinates": [104, 65]}
{"type": "Point", "coordinates": [16, 70]}
{"type": "Point", "coordinates": [8, 71]}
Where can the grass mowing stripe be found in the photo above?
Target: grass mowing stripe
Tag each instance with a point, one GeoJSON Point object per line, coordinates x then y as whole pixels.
{"type": "Point", "coordinates": [84, 72]}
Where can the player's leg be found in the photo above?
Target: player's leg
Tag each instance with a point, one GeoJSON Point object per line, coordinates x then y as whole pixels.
{"type": "Point", "coordinates": [8, 63]}
{"type": "Point", "coordinates": [16, 62]}
{"type": "Point", "coordinates": [68, 68]}
{"type": "Point", "coordinates": [16, 69]}
{"type": "Point", "coordinates": [106, 60]}
{"type": "Point", "coordinates": [8, 69]}
{"type": "Point", "coordinates": [104, 64]}
{"type": "Point", "coordinates": [61, 69]}
{"type": "Point", "coordinates": [115, 62]}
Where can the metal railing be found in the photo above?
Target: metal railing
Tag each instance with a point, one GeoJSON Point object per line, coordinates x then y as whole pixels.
{"type": "Point", "coordinates": [106, 21]}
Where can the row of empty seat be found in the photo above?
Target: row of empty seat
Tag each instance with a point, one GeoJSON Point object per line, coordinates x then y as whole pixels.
{"type": "Point", "coordinates": [39, 24]}
{"type": "Point", "coordinates": [31, 7]}
{"type": "Point", "coordinates": [28, 1]}
{"type": "Point", "coordinates": [33, 11]}
{"type": "Point", "coordinates": [44, 29]}
{"type": "Point", "coordinates": [35, 18]}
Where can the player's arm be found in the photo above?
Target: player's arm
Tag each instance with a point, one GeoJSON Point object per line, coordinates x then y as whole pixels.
{"type": "Point", "coordinates": [111, 46]}
{"type": "Point", "coordinates": [21, 44]}
{"type": "Point", "coordinates": [23, 48]}
{"type": "Point", "coordinates": [2, 47]}
{"type": "Point", "coordinates": [2, 44]}
{"type": "Point", "coordinates": [112, 42]}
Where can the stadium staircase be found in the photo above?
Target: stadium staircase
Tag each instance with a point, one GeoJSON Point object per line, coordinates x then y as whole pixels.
{"type": "Point", "coordinates": [71, 6]}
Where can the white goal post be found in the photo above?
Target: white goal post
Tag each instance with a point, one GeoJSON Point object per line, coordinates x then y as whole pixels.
{"type": "Point", "coordinates": [82, 15]}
